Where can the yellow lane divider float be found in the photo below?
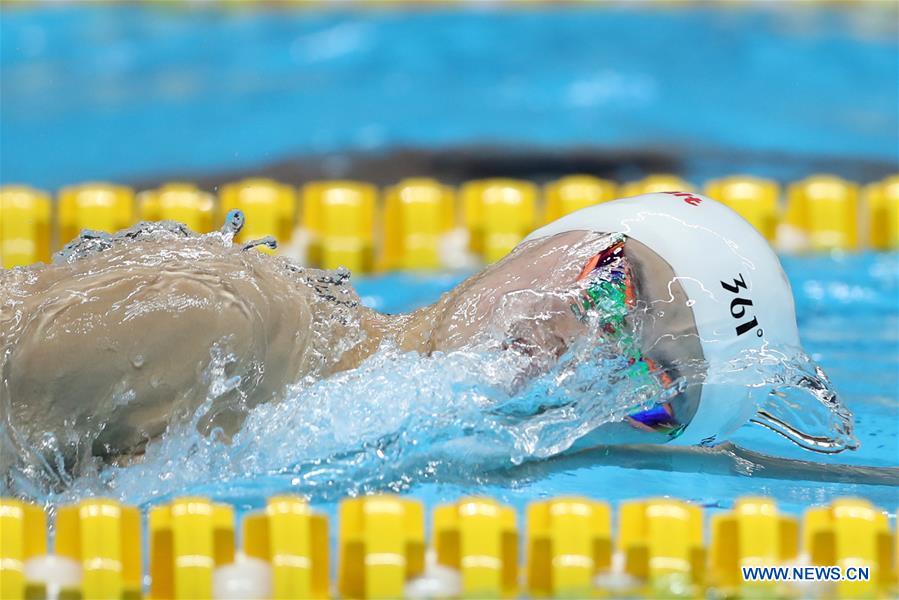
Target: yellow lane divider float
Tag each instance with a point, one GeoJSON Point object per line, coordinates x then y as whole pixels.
{"type": "Point", "coordinates": [825, 210]}
{"type": "Point", "coordinates": [569, 544]}
{"type": "Point", "coordinates": [575, 192]}
{"type": "Point", "coordinates": [571, 550]}
{"type": "Point", "coordinates": [182, 202]}
{"type": "Point", "coordinates": [851, 533]}
{"type": "Point", "coordinates": [104, 537]}
{"type": "Point", "coordinates": [882, 213]}
{"type": "Point", "coordinates": [23, 536]}
{"type": "Point", "coordinates": [417, 224]}
{"type": "Point", "coordinates": [755, 199]}
{"type": "Point", "coordinates": [269, 206]}
{"type": "Point", "coordinates": [754, 534]}
{"type": "Point", "coordinates": [294, 541]}
{"type": "Point", "coordinates": [25, 226]}
{"type": "Point", "coordinates": [662, 544]}
{"type": "Point", "coordinates": [498, 214]}
{"type": "Point", "coordinates": [478, 537]}
{"type": "Point", "coordinates": [340, 217]}
{"type": "Point", "coordinates": [417, 212]}
{"type": "Point", "coordinates": [381, 546]}
{"type": "Point", "coordinates": [189, 538]}
{"type": "Point", "coordinates": [651, 184]}
{"type": "Point", "coordinates": [98, 206]}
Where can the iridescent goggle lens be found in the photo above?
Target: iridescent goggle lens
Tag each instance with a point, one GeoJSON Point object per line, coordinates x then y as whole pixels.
{"type": "Point", "coordinates": [660, 419]}
{"type": "Point", "coordinates": [610, 290]}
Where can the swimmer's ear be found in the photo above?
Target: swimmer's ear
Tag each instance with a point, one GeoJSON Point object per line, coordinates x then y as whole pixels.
{"type": "Point", "coordinates": [810, 416]}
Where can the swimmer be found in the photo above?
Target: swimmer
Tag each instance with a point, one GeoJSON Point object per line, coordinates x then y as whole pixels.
{"type": "Point", "coordinates": [123, 334]}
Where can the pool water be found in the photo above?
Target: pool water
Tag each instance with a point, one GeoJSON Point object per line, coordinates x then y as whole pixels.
{"type": "Point", "coordinates": [131, 93]}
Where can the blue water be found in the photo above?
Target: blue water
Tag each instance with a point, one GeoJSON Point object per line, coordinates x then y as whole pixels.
{"type": "Point", "coordinates": [126, 93]}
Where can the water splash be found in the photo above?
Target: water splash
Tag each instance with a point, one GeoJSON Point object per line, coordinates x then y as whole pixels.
{"type": "Point", "coordinates": [398, 419]}
{"type": "Point", "coordinates": [90, 242]}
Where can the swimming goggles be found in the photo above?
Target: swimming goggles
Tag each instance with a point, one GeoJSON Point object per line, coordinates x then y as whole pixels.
{"type": "Point", "coordinates": [610, 291]}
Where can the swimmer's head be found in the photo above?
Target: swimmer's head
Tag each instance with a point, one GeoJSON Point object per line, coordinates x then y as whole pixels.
{"type": "Point", "coordinates": [690, 296]}
{"type": "Point", "coordinates": [693, 282]}
{"type": "Point", "coordinates": [714, 290]}
{"type": "Point", "coordinates": [711, 292]}
{"type": "Point", "coordinates": [583, 291]}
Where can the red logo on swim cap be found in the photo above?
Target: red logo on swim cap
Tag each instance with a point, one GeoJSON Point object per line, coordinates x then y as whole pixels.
{"type": "Point", "coordinates": [688, 198]}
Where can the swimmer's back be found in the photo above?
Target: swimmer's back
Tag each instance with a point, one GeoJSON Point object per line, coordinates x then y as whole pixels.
{"type": "Point", "coordinates": [116, 344]}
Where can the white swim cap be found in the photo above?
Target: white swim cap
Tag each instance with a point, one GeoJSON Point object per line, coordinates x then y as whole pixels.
{"type": "Point", "coordinates": [736, 288]}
